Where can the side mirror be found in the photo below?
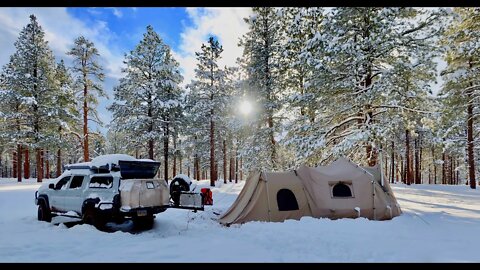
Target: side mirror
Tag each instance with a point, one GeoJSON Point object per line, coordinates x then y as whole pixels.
{"type": "Point", "coordinates": [51, 186]}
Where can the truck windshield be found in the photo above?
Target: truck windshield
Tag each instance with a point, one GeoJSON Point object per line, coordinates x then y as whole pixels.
{"type": "Point", "coordinates": [138, 169]}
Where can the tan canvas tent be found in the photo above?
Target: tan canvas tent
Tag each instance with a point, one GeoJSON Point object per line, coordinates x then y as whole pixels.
{"type": "Point", "coordinates": [339, 190]}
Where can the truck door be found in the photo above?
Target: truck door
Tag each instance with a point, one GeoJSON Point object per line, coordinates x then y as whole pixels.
{"type": "Point", "coordinates": [57, 198]}
{"type": "Point", "coordinates": [73, 195]}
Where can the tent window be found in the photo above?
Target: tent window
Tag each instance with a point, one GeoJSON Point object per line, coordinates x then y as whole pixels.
{"type": "Point", "coordinates": [341, 190]}
{"type": "Point", "coordinates": [286, 200]}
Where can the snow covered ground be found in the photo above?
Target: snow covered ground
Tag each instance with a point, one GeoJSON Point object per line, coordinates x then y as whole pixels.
{"type": "Point", "coordinates": [439, 224]}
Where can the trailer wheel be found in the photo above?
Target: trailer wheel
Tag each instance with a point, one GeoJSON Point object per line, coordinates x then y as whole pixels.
{"type": "Point", "coordinates": [43, 213]}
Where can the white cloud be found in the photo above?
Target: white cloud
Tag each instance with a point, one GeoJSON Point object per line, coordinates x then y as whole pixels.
{"type": "Point", "coordinates": [60, 31]}
{"type": "Point", "coordinates": [94, 11]}
{"type": "Point", "coordinates": [226, 24]}
{"type": "Point", "coordinates": [117, 12]}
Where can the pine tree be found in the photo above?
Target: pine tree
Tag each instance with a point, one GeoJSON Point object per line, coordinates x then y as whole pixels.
{"type": "Point", "coordinates": [462, 86]}
{"type": "Point", "coordinates": [88, 75]}
{"type": "Point", "coordinates": [66, 117]}
{"type": "Point", "coordinates": [30, 74]}
{"type": "Point", "coordinates": [147, 100]}
{"type": "Point", "coordinates": [261, 60]}
{"type": "Point", "coordinates": [208, 92]}
{"type": "Point", "coordinates": [363, 51]}
{"type": "Point", "coordinates": [301, 84]}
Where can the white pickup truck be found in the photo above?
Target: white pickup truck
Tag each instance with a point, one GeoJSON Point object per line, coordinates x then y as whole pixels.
{"type": "Point", "coordinates": [112, 188]}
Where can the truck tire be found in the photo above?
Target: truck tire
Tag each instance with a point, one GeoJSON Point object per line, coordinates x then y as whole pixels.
{"type": "Point", "coordinates": [92, 217]}
{"type": "Point", "coordinates": [44, 213]}
{"type": "Point", "coordinates": [143, 223]}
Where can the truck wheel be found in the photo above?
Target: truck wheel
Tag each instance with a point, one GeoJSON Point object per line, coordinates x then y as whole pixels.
{"type": "Point", "coordinates": [143, 223]}
{"type": "Point", "coordinates": [91, 217]}
{"type": "Point", "coordinates": [44, 213]}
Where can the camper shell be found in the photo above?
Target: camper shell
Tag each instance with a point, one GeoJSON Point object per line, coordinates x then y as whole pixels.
{"type": "Point", "coordinates": [112, 188]}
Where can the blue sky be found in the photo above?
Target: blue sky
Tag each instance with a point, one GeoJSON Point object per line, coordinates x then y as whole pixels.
{"type": "Point", "coordinates": [127, 24]}
{"type": "Point", "coordinates": [116, 31]}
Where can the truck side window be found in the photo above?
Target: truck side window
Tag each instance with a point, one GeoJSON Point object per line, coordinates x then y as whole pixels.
{"type": "Point", "coordinates": [76, 182]}
{"type": "Point", "coordinates": [101, 182]}
{"type": "Point", "coordinates": [62, 184]}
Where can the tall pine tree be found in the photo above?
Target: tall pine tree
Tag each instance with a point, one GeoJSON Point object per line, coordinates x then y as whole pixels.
{"type": "Point", "coordinates": [208, 92]}
{"type": "Point", "coordinates": [30, 74]}
{"type": "Point", "coordinates": [88, 77]}
{"type": "Point", "coordinates": [148, 99]}
{"type": "Point", "coordinates": [261, 60]}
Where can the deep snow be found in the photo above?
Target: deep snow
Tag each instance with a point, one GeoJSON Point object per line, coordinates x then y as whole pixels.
{"type": "Point", "coordinates": [439, 224]}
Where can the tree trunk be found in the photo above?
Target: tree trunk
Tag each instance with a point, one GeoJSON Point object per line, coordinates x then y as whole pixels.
{"type": "Point", "coordinates": [39, 165]}
{"type": "Point", "coordinates": [444, 168]}
{"type": "Point", "coordinates": [455, 163]}
{"type": "Point", "coordinates": [86, 155]}
{"type": "Point", "coordinates": [19, 163]}
{"type": "Point", "coordinates": [180, 160]}
{"type": "Point", "coordinates": [14, 164]}
{"type": "Point", "coordinates": [371, 155]}
{"type": "Point", "coordinates": [236, 166]}
{"type": "Point", "coordinates": [241, 168]}
{"type": "Point", "coordinates": [174, 168]}
{"type": "Point", "coordinates": [403, 169]}
{"type": "Point", "coordinates": [450, 177]}
{"type": "Point", "coordinates": [392, 163]}
{"type": "Point", "coordinates": [195, 167]}
{"type": "Point", "coordinates": [270, 97]}
{"type": "Point", "coordinates": [457, 177]}
{"type": "Point", "coordinates": [47, 165]}
{"type": "Point", "coordinates": [470, 146]}
{"type": "Point", "coordinates": [197, 162]}
{"type": "Point", "coordinates": [151, 146]}
{"type": "Point", "coordinates": [434, 166]}
{"type": "Point", "coordinates": [213, 176]}
{"type": "Point", "coordinates": [408, 167]}
{"type": "Point", "coordinates": [272, 141]}
{"type": "Point", "coordinates": [429, 175]}
{"type": "Point", "coordinates": [417, 162]}
{"type": "Point", "coordinates": [385, 169]}
{"type": "Point", "coordinates": [26, 165]}
{"type": "Point", "coordinates": [397, 177]}
{"type": "Point", "coordinates": [232, 167]}
{"type": "Point", "coordinates": [165, 149]}
{"type": "Point", "coordinates": [224, 161]}
{"type": "Point", "coordinates": [420, 154]}
{"type": "Point", "coordinates": [59, 162]}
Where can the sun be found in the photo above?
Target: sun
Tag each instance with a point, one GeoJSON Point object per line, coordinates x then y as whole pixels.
{"type": "Point", "coordinates": [245, 107]}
